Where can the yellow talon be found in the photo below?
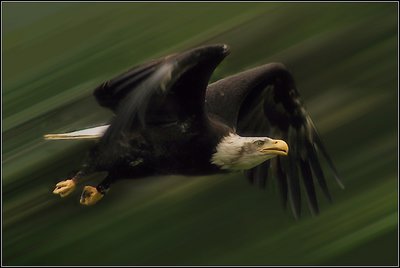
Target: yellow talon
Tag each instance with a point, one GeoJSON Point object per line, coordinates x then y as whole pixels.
{"type": "Point", "coordinates": [64, 188]}
{"type": "Point", "coordinates": [90, 196]}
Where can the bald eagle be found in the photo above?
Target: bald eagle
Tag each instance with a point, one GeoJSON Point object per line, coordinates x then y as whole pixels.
{"type": "Point", "coordinates": [169, 120]}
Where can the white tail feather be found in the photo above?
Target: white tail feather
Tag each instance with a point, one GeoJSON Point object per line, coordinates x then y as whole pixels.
{"type": "Point", "coordinates": [90, 133]}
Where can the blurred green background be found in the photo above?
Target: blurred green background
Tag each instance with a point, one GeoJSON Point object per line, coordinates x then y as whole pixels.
{"type": "Point", "coordinates": [344, 58]}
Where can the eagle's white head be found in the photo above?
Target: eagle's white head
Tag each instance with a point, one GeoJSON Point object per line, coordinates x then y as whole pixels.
{"type": "Point", "coordinates": [240, 153]}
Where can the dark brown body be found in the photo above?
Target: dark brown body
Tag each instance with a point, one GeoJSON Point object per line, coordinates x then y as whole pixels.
{"type": "Point", "coordinates": [168, 120]}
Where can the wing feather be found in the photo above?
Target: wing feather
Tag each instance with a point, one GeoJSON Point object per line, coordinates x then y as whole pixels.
{"type": "Point", "coordinates": [317, 170]}
{"type": "Point", "coordinates": [309, 185]}
{"type": "Point", "coordinates": [161, 92]}
{"type": "Point", "coordinates": [110, 93]}
{"type": "Point", "coordinates": [281, 180]}
{"type": "Point", "coordinates": [264, 101]}
{"type": "Point", "coordinates": [261, 174]}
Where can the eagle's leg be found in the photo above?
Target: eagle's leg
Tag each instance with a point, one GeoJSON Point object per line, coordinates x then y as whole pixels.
{"type": "Point", "coordinates": [66, 187]}
{"type": "Point", "coordinates": [91, 195]}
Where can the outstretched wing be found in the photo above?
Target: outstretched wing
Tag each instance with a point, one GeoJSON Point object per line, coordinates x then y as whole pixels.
{"type": "Point", "coordinates": [110, 93]}
{"type": "Point", "coordinates": [161, 92]}
{"type": "Point", "coordinates": [264, 101]}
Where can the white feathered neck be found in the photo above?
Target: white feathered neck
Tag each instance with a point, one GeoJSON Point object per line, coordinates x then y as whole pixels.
{"type": "Point", "coordinates": [236, 153]}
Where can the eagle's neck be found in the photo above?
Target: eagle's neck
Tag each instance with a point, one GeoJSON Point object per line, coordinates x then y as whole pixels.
{"type": "Point", "coordinates": [231, 154]}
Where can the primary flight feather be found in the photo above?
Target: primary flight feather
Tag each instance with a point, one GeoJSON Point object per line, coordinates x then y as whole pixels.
{"type": "Point", "coordinates": [169, 120]}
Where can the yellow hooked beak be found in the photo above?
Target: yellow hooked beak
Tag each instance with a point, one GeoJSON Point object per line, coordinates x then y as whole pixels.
{"type": "Point", "coordinates": [277, 147]}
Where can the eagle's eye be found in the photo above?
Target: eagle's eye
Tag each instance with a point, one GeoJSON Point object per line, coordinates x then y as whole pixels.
{"type": "Point", "coordinates": [259, 143]}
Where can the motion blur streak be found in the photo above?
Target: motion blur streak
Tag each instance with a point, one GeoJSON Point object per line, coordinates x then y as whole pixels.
{"type": "Point", "coordinates": [343, 57]}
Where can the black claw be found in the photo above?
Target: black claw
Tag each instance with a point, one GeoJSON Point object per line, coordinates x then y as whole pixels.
{"type": "Point", "coordinates": [85, 194]}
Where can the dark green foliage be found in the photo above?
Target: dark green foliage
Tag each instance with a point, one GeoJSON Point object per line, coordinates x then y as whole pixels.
{"type": "Point", "coordinates": [344, 59]}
